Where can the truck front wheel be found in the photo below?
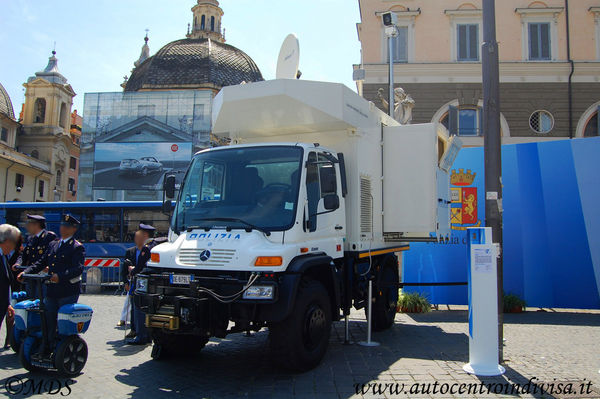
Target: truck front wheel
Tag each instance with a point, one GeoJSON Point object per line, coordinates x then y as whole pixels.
{"type": "Point", "coordinates": [300, 341]}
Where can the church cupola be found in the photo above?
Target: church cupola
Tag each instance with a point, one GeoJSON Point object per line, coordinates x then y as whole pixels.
{"type": "Point", "coordinates": [207, 21]}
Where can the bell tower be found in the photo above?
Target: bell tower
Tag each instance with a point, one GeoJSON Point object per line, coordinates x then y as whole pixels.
{"type": "Point", "coordinates": [207, 21]}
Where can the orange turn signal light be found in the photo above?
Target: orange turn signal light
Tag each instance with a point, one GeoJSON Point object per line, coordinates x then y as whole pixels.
{"type": "Point", "coordinates": [268, 261]}
{"type": "Point", "coordinates": [154, 257]}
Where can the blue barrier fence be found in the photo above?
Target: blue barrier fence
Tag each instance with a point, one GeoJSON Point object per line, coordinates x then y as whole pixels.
{"type": "Point", "coordinates": [551, 226]}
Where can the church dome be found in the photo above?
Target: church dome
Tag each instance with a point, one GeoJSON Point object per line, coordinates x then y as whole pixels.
{"type": "Point", "coordinates": [194, 63]}
{"type": "Point", "coordinates": [6, 107]}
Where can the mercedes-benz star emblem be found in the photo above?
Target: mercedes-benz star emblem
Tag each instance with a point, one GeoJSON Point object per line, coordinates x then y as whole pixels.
{"type": "Point", "coordinates": [204, 255]}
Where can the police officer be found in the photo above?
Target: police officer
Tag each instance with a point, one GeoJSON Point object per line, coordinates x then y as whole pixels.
{"type": "Point", "coordinates": [37, 241]}
{"type": "Point", "coordinates": [139, 255]}
{"type": "Point", "coordinates": [64, 259]}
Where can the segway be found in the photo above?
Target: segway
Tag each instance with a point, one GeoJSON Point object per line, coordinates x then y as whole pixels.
{"type": "Point", "coordinates": [69, 352]}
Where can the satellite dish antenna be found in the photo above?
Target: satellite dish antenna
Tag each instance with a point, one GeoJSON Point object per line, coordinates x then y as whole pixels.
{"type": "Point", "coordinates": [289, 58]}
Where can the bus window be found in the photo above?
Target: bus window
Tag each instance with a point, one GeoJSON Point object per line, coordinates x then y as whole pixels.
{"type": "Point", "coordinates": [133, 217]}
{"type": "Point", "coordinates": [98, 225]}
{"type": "Point", "coordinates": [18, 217]}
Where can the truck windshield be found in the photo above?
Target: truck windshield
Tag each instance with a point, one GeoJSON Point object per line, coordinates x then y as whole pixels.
{"type": "Point", "coordinates": [241, 188]}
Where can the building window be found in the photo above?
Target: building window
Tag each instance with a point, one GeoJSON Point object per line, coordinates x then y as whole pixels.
{"type": "Point", "coordinates": [19, 181]}
{"type": "Point", "coordinates": [4, 135]}
{"type": "Point", "coordinates": [467, 42]}
{"type": "Point", "coordinates": [541, 122]}
{"type": "Point", "coordinates": [592, 128]}
{"type": "Point", "coordinates": [71, 185]}
{"type": "Point", "coordinates": [41, 189]}
{"type": "Point", "coordinates": [146, 110]}
{"type": "Point", "coordinates": [58, 177]}
{"type": "Point", "coordinates": [198, 112]}
{"type": "Point", "coordinates": [35, 154]}
{"type": "Point", "coordinates": [463, 120]}
{"type": "Point", "coordinates": [539, 41]}
{"type": "Point", "coordinates": [203, 22]}
{"type": "Point", "coordinates": [62, 121]}
{"type": "Point", "coordinates": [212, 24]}
{"type": "Point", "coordinates": [39, 110]}
{"type": "Point", "coordinates": [73, 163]}
{"type": "Point", "coordinates": [400, 45]}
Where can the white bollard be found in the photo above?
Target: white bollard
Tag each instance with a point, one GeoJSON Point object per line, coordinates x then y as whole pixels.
{"type": "Point", "coordinates": [483, 304]}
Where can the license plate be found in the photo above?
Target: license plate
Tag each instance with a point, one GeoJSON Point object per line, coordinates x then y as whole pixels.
{"type": "Point", "coordinates": [183, 279]}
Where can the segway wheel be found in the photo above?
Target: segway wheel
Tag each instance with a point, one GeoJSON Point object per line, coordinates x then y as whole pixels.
{"type": "Point", "coordinates": [28, 346]}
{"type": "Point", "coordinates": [15, 339]}
{"type": "Point", "coordinates": [71, 355]}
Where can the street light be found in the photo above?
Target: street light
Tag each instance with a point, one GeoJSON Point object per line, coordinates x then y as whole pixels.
{"type": "Point", "coordinates": [390, 22]}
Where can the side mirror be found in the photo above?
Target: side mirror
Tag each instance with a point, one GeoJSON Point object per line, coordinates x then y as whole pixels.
{"type": "Point", "coordinates": [169, 186]}
{"type": "Point", "coordinates": [167, 206]}
{"type": "Point", "coordinates": [331, 202]}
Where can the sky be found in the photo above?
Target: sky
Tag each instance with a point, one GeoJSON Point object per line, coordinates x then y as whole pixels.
{"type": "Point", "coordinates": [98, 41]}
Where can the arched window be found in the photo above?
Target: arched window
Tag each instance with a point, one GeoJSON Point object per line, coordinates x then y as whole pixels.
{"type": "Point", "coordinates": [465, 119]}
{"type": "Point", "coordinates": [212, 23]}
{"type": "Point", "coordinates": [58, 177]}
{"type": "Point", "coordinates": [592, 128]}
{"type": "Point", "coordinates": [203, 22]}
{"type": "Point", "coordinates": [195, 23]}
{"type": "Point", "coordinates": [62, 122]}
{"type": "Point", "coordinates": [39, 110]}
{"type": "Point", "coordinates": [35, 154]}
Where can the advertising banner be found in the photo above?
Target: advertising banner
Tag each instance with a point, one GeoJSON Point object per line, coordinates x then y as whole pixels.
{"type": "Point", "coordinates": [139, 166]}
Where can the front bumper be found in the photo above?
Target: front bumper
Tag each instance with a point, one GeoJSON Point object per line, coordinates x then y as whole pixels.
{"type": "Point", "coordinates": [187, 307]}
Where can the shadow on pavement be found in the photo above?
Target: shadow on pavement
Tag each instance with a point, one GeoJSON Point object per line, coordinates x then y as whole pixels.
{"type": "Point", "coordinates": [569, 318]}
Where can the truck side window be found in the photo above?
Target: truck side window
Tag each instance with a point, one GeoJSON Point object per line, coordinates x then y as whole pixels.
{"type": "Point", "coordinates": [327, 176]}
{"type": "Point", "coordinates": [312, 190]}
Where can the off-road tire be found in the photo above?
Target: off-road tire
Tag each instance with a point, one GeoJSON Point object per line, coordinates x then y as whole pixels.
{"type": "Point", "coordinates": [300, 341]}
{"type": "Point", "coordinates": [385, 295]}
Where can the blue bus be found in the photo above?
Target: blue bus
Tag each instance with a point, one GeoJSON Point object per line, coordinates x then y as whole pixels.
{"type": "Point", "coordinates": [106, 231]}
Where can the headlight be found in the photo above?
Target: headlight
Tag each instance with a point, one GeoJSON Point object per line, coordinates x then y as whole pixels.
{"type": "Point", "coordinates": [259, 292]}
{"type": "Point", "coordinates": [141, 284]}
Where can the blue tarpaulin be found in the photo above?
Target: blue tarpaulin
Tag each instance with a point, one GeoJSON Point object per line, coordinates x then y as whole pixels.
{"type": "Point", "coordinates": [551, 235]}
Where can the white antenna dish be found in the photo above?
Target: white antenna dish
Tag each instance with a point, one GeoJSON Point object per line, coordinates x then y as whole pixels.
{"type": "Point", "coordinates": [289, 58]}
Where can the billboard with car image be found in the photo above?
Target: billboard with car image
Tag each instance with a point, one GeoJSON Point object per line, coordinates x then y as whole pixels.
{"type": "Point", "coordinates": [139, 166]}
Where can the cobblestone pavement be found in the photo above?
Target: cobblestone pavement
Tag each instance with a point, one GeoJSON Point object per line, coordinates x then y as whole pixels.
{"type": "Point", "coordinates": [420, 349]}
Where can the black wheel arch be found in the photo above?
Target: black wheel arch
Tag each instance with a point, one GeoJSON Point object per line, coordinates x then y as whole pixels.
{"type": "Point", "coordinates": [318, 267]}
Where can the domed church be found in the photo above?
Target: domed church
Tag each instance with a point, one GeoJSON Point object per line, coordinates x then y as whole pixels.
{"type": "Point", "coordinates": [131, 139]}
{"type": "Point", "coordinates": [201, 61]}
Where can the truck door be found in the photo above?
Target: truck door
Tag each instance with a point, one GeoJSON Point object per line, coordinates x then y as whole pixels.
{"type": "Point", "coordinates": [325, 207]}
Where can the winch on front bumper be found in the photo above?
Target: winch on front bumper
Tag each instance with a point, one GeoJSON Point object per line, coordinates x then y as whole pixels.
{"type": "Point", "coordinates": [204, 302]}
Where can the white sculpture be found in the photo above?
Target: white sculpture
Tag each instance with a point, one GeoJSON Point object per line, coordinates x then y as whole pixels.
{"type": "Point", "coordinates": [403, 105]}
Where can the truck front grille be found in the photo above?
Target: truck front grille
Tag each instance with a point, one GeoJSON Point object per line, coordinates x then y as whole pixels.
{"type": "Point", "coordinates": [194, 257]}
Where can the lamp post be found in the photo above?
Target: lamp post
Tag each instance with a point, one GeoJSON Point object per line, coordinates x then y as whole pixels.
{"type": "Point", "coordinates": [492, 147]}
{"type": "Point", "coordinates": [390, 22]}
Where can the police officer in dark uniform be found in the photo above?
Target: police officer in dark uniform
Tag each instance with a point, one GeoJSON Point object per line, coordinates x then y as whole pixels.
{"type": "Point", "coordinates": [37, 241]}
{"type": "Point", "coordinates": [139, 255]}
{"type": "Point", "coordinates": [65, 260]}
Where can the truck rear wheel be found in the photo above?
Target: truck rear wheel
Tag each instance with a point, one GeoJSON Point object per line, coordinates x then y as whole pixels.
{"type": "Point", "coordinates": [300, 341]}
{"type": "Point", "coordinates": [385, 296]}
{"type": "Point", "coordinates": [166, 345]}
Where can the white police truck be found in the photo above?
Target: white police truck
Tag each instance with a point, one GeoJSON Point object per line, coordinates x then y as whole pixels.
{"type": "Point", "coordinates": [283, 229]}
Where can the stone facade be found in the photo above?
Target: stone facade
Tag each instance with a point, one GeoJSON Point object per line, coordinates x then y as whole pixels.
{"type": "Point", "coordinates": [534, 92]}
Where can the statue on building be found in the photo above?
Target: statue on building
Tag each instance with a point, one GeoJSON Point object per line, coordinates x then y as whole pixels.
{"type": "Point", "coordinates": [403, 105]}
